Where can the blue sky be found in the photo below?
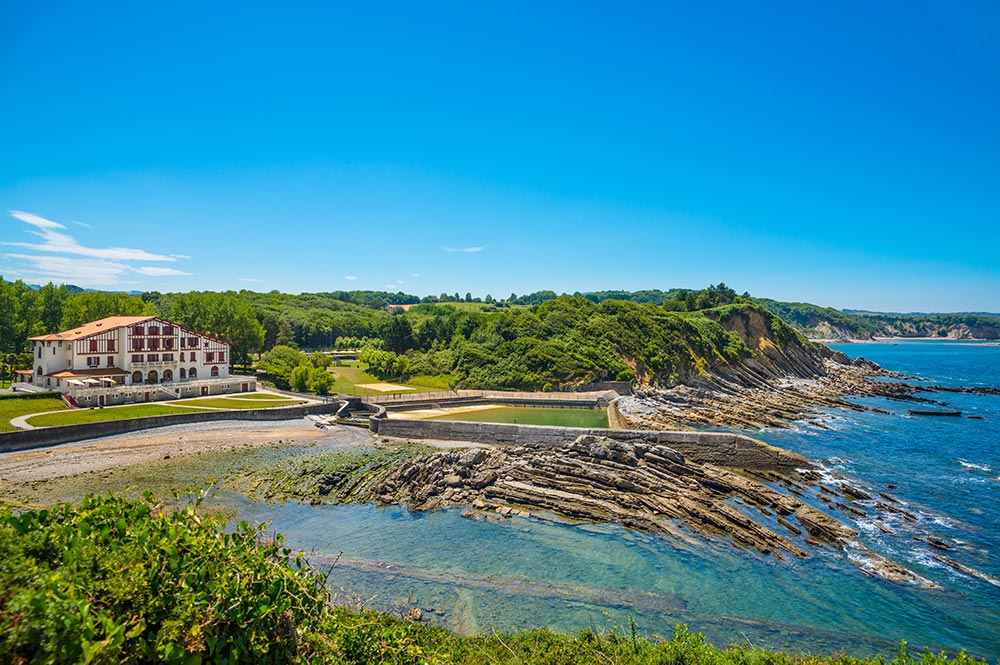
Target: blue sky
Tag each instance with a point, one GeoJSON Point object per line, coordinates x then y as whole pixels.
{"type": "Point", "coordinates": [844, 153]}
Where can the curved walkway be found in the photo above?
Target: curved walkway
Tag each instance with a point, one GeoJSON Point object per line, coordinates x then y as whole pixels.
{"type": "Point", "coordinates": [21, 422]}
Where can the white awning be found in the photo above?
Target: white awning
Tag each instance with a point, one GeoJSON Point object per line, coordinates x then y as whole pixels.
{"type": "Point", "coordinates": [74, 382]}
{"type": "Point", "coordinates": [108, 381]}
{"type": "Point", "coordinates": [92, 382]}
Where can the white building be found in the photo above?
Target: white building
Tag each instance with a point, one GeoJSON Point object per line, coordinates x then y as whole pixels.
{"type": "Point", "coordinates": [124, 359]}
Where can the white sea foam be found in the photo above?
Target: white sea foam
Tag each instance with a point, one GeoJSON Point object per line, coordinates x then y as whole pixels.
{"type": "Point", "coordinates": [975, 467]}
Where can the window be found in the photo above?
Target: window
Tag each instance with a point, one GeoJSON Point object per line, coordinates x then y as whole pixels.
{"type": "Point", "coordinates": [138, 330]}
{"type": "Point", "coordinates": [152, 357]}
{"type": "Point", "coordinates": [194, 357]}
{"type": "Point", "coordinates": [39, 351]}
{"type": "Point", "coordinates": [111, 361]}
{"type": "Point", "coordinates": [215, 370]}
{"type": "Point", "coordinates": [192, 373]}
{"type": "Point", "coordinates": [136, 377]}
{"type": "Point", "coordinates": [93, 346]}
{"type": "Point", "coordinates": [183, 373]}
{"type": "Point", "coordinates": [168, 330]}
{"type": "Point", "coordinates": [137, 357]}
{"type": "Point", "coordinates": [168, 343]}
{"type": "Point", "coordinates": [168, 357]}
{"type": "Point", "coordinates": [153, 330]}
{"type": "Point", "coordinates": [93, 361]}
{"type": "Point", "coordinates": [111, 346]}
{"type": "Point", "coordinates": [192, 341]}
{"type": "Point", "coordinates": [182, 356]}
{"type": "Point", "coordinates": [154, 344]}
{"type": "Point", "coordinates": [222, 356]}
{"type": "Point", "coordinates": [137, 345]}
{"type": "Point", "coordinates": [210, 357]}
{"type": "Point", "coordinates": [39, 370]}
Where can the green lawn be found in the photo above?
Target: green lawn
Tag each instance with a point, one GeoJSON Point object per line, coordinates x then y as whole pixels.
{"type": "Point", "coordinates": [235, 403]}
{"type": "Point", "coordinates": [12, 408]}
{"type": "Point", "coordinates": [78, 416]}
{"type": "Point", "coordinates": [352, 374]}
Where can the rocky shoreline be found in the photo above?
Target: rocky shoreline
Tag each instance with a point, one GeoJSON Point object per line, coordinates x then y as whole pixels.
{"type": "Point", "coordinates": [750, 399]}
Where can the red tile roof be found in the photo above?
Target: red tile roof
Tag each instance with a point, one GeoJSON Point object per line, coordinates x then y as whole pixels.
{"type": "Point", "coordinates": [94, 327]}
{"type": "Point", "coordinates": [89, 373]}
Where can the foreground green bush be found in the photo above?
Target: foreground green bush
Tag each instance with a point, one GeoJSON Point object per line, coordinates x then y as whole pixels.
{"type": "Point", "coordinates": [116, 580]}
{"type": "Point", "coordinates": [121, 581]}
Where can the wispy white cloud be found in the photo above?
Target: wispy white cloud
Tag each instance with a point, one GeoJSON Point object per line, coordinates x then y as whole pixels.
{"type": "Point", "coordinates": [400, 282]}
{"type": "Point", "coordinates": [61, 243]}
{"type": "Point", "coordinates": [414, 274]}
{"type": "Point", "coordinates": [250, 279]}
{"type": "Point", "coordinates": [351, 278]}
{"type": "Point", "coordinates": [100, 267]}
{"type": "Point", "coordinates": [466, 250]}
{"type": "Point", "coordinates": [155, 271]}
{"type": "Point", "coordinates": [390, 286]}
{"type": "Point", "coordinates": [180, 256]}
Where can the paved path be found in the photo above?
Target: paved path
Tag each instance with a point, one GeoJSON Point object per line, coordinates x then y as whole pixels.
{"type": "Point", "coordinates": [21, 422]}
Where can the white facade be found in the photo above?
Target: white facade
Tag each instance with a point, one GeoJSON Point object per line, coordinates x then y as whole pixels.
{"type": "Point", "coordinates": [130, 351]}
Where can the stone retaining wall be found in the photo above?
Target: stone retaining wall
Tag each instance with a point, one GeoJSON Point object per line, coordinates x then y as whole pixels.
{"type": "Point", "coordinates": [49, 436]}
{"type": "Point", "coordinates": [719, 448]}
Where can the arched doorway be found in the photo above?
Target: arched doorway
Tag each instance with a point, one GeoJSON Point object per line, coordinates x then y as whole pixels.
{"type": "Point", "coordinates": [151, 377]}
{"type": "Point", "coordinates": [137, 377]}
{"type": "Point", "coordinates": [168, 375]}
{"type": "Point", "coordinates": [215, 370]}
{"type": "Point", "coordinates": [192, 373]}
{"type": "Point", "coordinates": [183, 373]}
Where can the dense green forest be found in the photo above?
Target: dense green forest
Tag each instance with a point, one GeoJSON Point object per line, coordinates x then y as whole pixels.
{"type": "Point", "coordinates": [536, 341]}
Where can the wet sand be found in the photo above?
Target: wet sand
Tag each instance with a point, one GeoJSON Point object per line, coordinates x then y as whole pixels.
{"type": "Point", "coordinates": [159, 457]}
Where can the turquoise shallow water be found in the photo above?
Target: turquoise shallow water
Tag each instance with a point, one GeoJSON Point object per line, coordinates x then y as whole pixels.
{"type": "Point", "coordinates": [529, 572]}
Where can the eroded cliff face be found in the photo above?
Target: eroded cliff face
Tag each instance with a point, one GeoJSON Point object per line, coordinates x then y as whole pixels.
{"type": "Point", "coordinates": [781, 377]}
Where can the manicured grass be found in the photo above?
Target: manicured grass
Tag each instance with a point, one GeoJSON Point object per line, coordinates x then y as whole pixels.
{"type": "Point", "coordinates": [231, 403]}
{"type": "Point", "coordinates": [14, 407]}
{"type": "Point", "coordinates": [79, 416]}
{"type": "Point", "coordinates": [352, 374]}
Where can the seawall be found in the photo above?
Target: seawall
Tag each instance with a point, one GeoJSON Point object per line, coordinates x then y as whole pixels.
{"type": "Point", "coordinates": [718, 448]}
{"type": "Point", "coordinates": [49, 436]}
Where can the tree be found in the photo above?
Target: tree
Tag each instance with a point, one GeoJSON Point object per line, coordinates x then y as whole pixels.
{"type": "Point", "coordinates": [279, 363]}
{"type": "Point", "coordinates": [320, 381]}
{"type": "Point", "coordinates": [319, 360]}
{"type": "Point", "coordinates": [299, 378]}
{"type": "Point", "coordinates": [398, 334]}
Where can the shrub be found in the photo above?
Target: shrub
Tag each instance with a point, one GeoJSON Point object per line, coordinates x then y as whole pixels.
{"type": "Point", "coordinates": [119, 580]}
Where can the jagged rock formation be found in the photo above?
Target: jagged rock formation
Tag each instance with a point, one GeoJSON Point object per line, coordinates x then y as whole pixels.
{"type": "Point", "coordinates": [785, 378]}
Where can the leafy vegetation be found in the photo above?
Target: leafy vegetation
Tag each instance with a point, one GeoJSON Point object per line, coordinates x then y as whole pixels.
{"type": "Point", "coordinates": [122, 581]}
{"type": "Point", "coordinates": [126, 581]}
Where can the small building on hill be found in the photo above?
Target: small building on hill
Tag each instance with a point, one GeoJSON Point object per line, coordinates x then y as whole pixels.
{"type": "Point", "coordinates": [124, 359]}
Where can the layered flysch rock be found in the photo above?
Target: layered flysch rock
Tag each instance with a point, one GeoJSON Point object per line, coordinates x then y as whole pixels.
{"type": "Point", "coordinates": [651, 488]}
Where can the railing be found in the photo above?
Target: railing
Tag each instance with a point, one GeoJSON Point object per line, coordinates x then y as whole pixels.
{"type": "Point", "coordinates": [484, 394]}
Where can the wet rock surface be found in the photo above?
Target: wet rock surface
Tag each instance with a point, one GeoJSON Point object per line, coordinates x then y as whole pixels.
{"type": "Point", "coordinates": [650, 488]}
{"type": "Point", "coordinates": [752, 396]}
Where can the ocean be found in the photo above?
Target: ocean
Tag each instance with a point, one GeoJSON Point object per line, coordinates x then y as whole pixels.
{"type": "Point", "coordinates": [473, 575]}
